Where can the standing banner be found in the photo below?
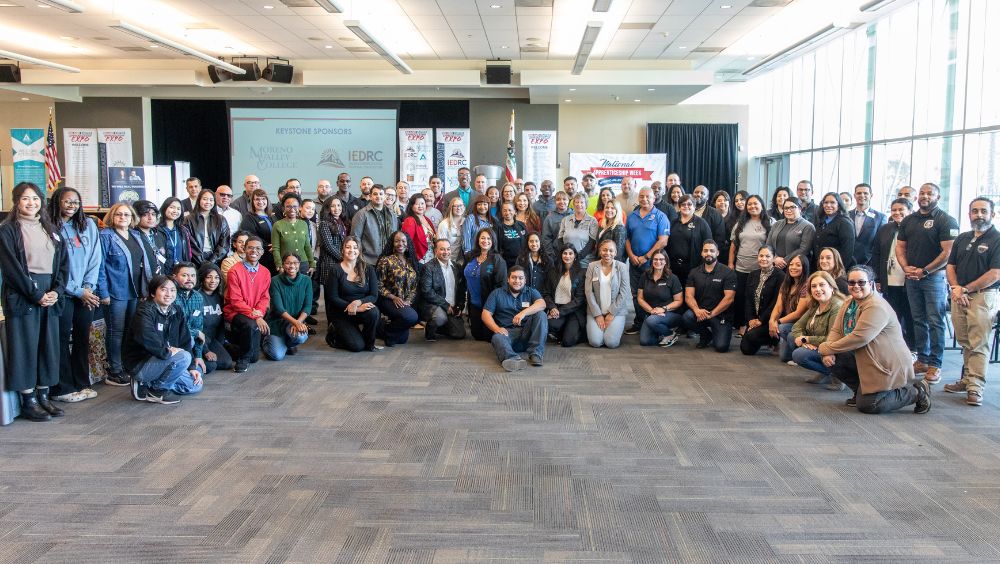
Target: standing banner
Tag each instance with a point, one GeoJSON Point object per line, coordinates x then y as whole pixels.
{"type": "Point", "coordinates": [29, 155]}
{"type": "Point", "coordinates": [609, 168]}
{"type": "Point", "coordinates": [119, 142]}
{"type": "Point", "coordinates": [539, 150]}
{"type": "Point", "coordinates": [128, 183]}
{"type": "Point", "coordinates": [416, 151]}
{"type": "Point", "coordinates": [80, 146]}
{"type": "Point", "coordinates": [453, 148]}
{"type": "Point", "coordinates": [182, 171]}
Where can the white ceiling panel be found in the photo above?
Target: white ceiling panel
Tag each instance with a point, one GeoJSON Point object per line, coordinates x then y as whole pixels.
{"type": "Point", "coordinates": [500, 22]}
{"type": "Point", "coordinates": [687, 7]}
{"type": "Point", "coordinates": [465, 22]}
{"type": "Point", "coordinates": [420, 7]}
{"type": "Point", "coordinates": [647, 7]}
{"type": "Point", "coordinates": [458, 7]}
{"type": "Point", "coordinates": [429, 23]}
{"type": "Point", "coordinates": [673, 23]}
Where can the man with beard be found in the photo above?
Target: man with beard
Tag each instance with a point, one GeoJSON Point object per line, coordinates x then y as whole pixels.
{"type": "Point", "coordinates": [242, 203]}
{"type": "Point", "coordinates": [589, 185]}
{"type": "Point", "coordinates": [804, 190]}
{"type": "Point", "coordinates": [373, 225]}
{"type": "Point", "coordinates": [463, 191]}
{"type": "Point", "coordinates": [437, 188]}
{"type": "Point", "coordinates": [711, 290]}
{"type": "Point", "coordinates": [516, 316]}
{"type": "Point", "coordinates": [552, 223]}
{"type": "Point", "coordinates": [185, 275]}
{"type": "Point", "coordinates": [711, 215]}
{"type": "Point", "coordinates": [974, 276]}
{"type": "Point", "coordinates": [628, 198]}
{"type": "Point", "coordinates": [323, 192]}
{"type": "Point", "coordinates": [661, 203]}
{"type": "Point", "coordinates": [922, 248]}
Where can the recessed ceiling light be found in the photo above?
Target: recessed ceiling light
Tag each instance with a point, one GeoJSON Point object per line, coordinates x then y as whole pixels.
{"type": "Point", "coordinates": [495, 6]}
{"type": "Point", "coordinates": [726, 6]}
{"type": "Point", "coordinates": [268, 7]}
{"type": "Point", "coordinates": [328, 46]}
{"type": "Point", "coordinates": [572, 89]}
{"type": "Point", "coordinates": [44, 6]}
{"type": "Point", "coordinates": [751, 58]}
{"type": "Point", "coordinates": [503, 47]}
{"type": "Point", "coordinates": [153, 46]}
{"type": "Point", "coordinates": [666, 33]}
{"type": "Point", "coordinates": [25, 99]}
{"type": "Point", "coordinates": [650, 89]}
{"type": "Point", "coordinates": [682, 47]}
{"type": "Point", "coordinates": [637, 100]}
{"type": "Point", "coordinates": [67, 38]}
{"type": "Point", "coordinates": [567, 100]}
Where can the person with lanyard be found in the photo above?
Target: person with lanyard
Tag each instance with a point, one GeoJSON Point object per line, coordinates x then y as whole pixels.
{"type": "Point", "coordinates": [533, 261]}
{"type": "Point", "coordinates": [686, 238]}
{"type": "Point", "coordinates": [83, 250]}
{"type": "Point", "coordinates": [974, 276]}
{"type": "Point", "coordinates": [209, 231]}
{"type": "Point", "coordinates": [791, 236]}
{"type": "Point", "coordinates": [810, 331]}
{"type": "Point", "coordinates": [866, 221]}
{"type": "Point", "coordinates": [709, 295]}
{"type": "Point", "coordinates": [154, 242]}
{"type": "Point", "coordinates": [175, 237]}
{"type": "Point", "coordinates": [579, 230]}
{"type": "Point", "coordinates": [258, 223]}
{"type": "Point", "coordinates": [765, 283]}
{"type": "Point", "coordinates": [211, 287]}
{"type": "Point", "coordinates": [478, 218]}
{"type": "Point", "coordinates": [552, 222]}
{"type": "Point", "coordinates": [33, 270]}
{"type": "Point", "coordinates": [156, 352]}
{"type": "Point", "coordinates": [661, 296]}
{"type": "Point", "coordinates": [511, 234]}
{"type": "Point", "coordinates": [372, 226]}
{"type": "Point", "coordinates": [923, 244]}
{"type": "Point", "coordinates": [485, 271]}
{"type": "Point", "coordinates": [291, 300]}
{"type": "Point", "coordinates": [122, 280]}
{"type": "Point", "coordinates": [865, 350]}
{"type": "Point", "coordinates": [397, 278]}
{"type": "Point", "coordinates": [247, 302]}
{"type": "Point", "coordinates": [464, 191]}
{"type": "Point", "coordinates": [889, 276]}
{"type": "Point", "coordinates": [442, 293]}
{"type": "Point", "coordinates": [419, 229]}
{"type": "Point", "coordinates": [648, 229]}
{"type": "Point", "coordinates": [515, 314]}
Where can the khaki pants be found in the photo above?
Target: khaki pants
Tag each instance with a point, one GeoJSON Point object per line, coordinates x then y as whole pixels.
{"type": "Point", "coordinates": [972, 329]}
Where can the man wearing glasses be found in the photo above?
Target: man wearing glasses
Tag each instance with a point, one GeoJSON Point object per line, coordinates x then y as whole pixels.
{"type": "Point", "coordinates": [223, 204]}
{"type": "Point", "coordinates": [792, 237]}
{"type": "Point", "coordinates": [242, 204]}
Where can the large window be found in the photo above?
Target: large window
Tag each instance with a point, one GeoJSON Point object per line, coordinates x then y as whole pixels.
{"type": "Point", "coordinates": [907, 99]}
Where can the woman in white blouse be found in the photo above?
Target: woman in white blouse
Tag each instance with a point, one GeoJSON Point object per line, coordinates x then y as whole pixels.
{"type": "Point", "coordinates": [608, 296]}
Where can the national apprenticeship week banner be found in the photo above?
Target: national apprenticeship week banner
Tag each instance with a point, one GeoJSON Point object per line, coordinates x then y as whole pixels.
{"type": "Point", "coordinates": [539, 150]}
{"type": "Point", "coordinates": [29, 155]}
{"type": "Point", "coordinates": [609, 168]}
{"type": "Point", "coordinates": [416, 156]}
{"type": "Point", "coordinates": [453, 148]}
{"type": "Point", "coordinates": [312, 144]}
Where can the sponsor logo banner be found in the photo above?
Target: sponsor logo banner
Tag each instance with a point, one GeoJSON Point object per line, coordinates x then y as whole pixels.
{"type": "Point", "coordinates": [453, 148]}
{"type": "Point", "coordinates": [416, 152]}
{"type": "Point", "coordinates": [29, 155]}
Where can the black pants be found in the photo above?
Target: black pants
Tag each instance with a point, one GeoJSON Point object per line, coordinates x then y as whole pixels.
{"type": "Point", "coordinates": [845, 369]}
{"type": "Point", "coordinates": [739, 315]}
{"type": "Point", "coordinates": [754, 339]}
{"type": "Point", "coordinates": [317, 284]}
{"type": "Point", "coordinates": [718, 330]}
{"type": "Point", "coordinates": [356, 332]}
{"type": "Point", "coordinates": [634, 274]}
{"type": "Point", "coordinates": [74, 361]}
{"type": "Point", "coordinates": [896, 296]}
{"type": "Point", "coordinates": [401, 320]}
{"type": "Point", "coordinates": [223, 361]}
{"type": "Point", "coordinates": [244, 335]}
{"type": "Point", "coordinates": [568, 328]}
{"type": "Point", "coordinates": [32, 352]}
{"type": "Point", "coordinates": [478, 329]}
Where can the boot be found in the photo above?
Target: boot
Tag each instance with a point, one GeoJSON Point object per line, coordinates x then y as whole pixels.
{"type": "Point", "coordinates": [30, 409]}
{"type": "Point", "coordinates": [43, 400]}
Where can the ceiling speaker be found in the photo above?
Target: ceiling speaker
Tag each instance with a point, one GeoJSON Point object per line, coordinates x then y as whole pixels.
{"type": "Point", "coordinates": [252, 74]}
{"type": "Point", "coordinates": [279, 72]}
{"type": "Point", "coordinates": [218, 74]}
{"type": "Point", "coordinates": [10, 73]}
{"type": "Point", "coordinates": [497, 74]}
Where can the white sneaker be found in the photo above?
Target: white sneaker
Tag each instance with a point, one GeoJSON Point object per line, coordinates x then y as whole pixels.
{"type": "Point", "coordinates": [71, 397]}
{"type": "Point", "coordinates": [791, 363]}
{"type": "Point", "coordinates": [88, 393]}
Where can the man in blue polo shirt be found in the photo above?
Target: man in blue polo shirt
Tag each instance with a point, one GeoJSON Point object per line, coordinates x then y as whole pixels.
{"type": "Point", "coordinates": [516, 315]}
{"type": "Point", "coordinates": [648, 230]}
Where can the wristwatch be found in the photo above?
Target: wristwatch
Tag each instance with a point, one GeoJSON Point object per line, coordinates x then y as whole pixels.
{"type": "Point", "coordinates": [924, 270]}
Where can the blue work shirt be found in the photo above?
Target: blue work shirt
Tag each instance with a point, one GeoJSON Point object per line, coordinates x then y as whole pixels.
{"type": "Point", "coordinates": [644, 231]}
{"type": "Point", "coordinates": [505, 305]}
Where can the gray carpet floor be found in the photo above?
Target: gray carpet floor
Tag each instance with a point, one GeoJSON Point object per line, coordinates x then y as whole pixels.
{"type": "Point", "coordinates": [431, 453]}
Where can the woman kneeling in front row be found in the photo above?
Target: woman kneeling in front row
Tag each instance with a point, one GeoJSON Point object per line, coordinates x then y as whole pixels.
{"type": "Point", "coordinates": [810, 331]}
{"type": "Point", "coordinates": [291, 302]}
{"type": "Point", "coordinates": [608, 294]}
{"type": "Point", "coordinates": [661, 296]}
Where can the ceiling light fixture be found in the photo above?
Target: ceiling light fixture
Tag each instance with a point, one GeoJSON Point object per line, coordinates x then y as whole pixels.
{"type": "Point", "coordinates": [67, 38]}
{"type": "Point", "coordinates": [328, 46]}
{"type": "Point", "coordinates": [874, 5]}
{"type": "Point", "coordinates": [602, 5]}
{"type": "Point", "coordinates": [586, 46]}
{"type": "Point", "coordinates": [26, 59]}
{"type": "Point", "coordinates": [503, 47]}
{"type": "Point", "coordinates": [682, 47]}
{"type": "Point", "coordinates": [650, 90]}
{"type": "Point", "coordinates": [268, 7]}
{"type": "Point", "coordinates": [496, 6]}
{"type": "Point", "coordinates": [134, 31]}
{"type": "Point", "coordinates": [363, 34]}
{"type": "Point", "coordinates": [637, 100]}
{"type": "Point", "coordinates": [726, 6]}
{"type": "Point", "coordinates": [25, 99]}
{"type": "Point", "coordinates": [331, 6]}
{"type": "Point", "coordinates": [572, 89]}
{"type": "Point", "coordinates": [567, 100]}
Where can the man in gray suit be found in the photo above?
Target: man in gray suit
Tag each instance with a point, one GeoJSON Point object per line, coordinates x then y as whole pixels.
{"type": "Point", "coordinates": [373, 224]}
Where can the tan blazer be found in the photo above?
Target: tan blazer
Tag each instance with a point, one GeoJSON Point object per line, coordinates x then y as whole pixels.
{"type": "Point", "coordinates": [884, 361]}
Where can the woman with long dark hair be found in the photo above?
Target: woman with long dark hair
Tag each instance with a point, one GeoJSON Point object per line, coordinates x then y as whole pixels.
{"type": "Point", "coordinates": [834, 229]}
{"type": "Point", "coordinates": [611, 227]}
{"type": "Point", "coordinates": [510, 234]}
{"type": "Point", "coordinates": [534, 262]}
{"type": "Point", "coordinates": [34, 271]}
{"type": "Point", "coordinates": [259, 222]}
{"type": "Point", "coordinates": [565, 300]}
{"type": "Point", "coordinates": [777, 210]}
{"type": "Point", "coordinates": [333, 228]}
{"type": "Point", "coordinates": [213, 287]}
{"type": "Point", "coordinates": [419, 229]}
{"type": "Point", "coordinates": [176, 238]}
{"type": "Point", "coordinates": [477, 218]}
{"type": "Point", "coordinates": [397, 276]}
{"type": "Point", "coordinates": [763, 287]}
{"type": "Point", "coordinates": [526, 214]}
{"type": "Point", "coordinates": [792, 303]}
{"type": "Point", "coordinates": [209, 231]}
{"type": "Point", "coordinates": [350, 301]}
{"type": "Point", "coordinates": [749, 236]}
{"type": "Point", "coordinates": [83, 251]}
{"type": "Point", "coordinates": [485, 271]}
{"type": "Point", "coordinates": [723, 204]}
{"type": "Point", "coordinates": [661, 296]}
{"type": "Point", "coordinates": [603, 197]}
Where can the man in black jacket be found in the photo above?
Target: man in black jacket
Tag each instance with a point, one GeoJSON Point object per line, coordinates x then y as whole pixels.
{"type": "Point", "coordinates": [442, 291]}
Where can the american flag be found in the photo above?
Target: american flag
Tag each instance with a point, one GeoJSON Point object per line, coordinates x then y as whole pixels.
{"type": "Point", "coordinates": [52, 173]}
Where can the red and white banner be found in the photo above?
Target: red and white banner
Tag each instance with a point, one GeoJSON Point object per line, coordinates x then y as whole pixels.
{"type": "Point", "coordinates": [539, 150]}
{"type": "Point", "coordinates": [609, 168]}
{"type": "Point", "coordinates": [80, 151]}
{"type": "Point", "coordinates": [416, 156]}
{"type": "Point", "coordinates": [119, 143]}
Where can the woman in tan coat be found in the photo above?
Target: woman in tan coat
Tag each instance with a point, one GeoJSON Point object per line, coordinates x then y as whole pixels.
{"type": "Point", "coordinates": [866, 351]}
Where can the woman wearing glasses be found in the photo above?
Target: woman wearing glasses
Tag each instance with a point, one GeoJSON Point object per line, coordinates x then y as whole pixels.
{"type": "Point", "coordinates": [866, 351]}
{"type": "Point", "coordinates": [791, 236]}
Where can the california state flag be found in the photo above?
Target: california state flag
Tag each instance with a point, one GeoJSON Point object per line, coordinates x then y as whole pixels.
{"type": "Point", "coordinates": [510, 166]}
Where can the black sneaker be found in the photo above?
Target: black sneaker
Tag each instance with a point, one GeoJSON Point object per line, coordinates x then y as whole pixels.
{"type": "Point", "coordinates": [119, 379]}
{"type": "Point", "coordinates": [139, 390]}
{"type": "Point", "coordinates": [241, 367]}
{"type": "Point", "coordinates": [633, 330]}
{"type": "Point", "coordinates": [292, 351]}
{"type": "Point", "coordinates": [702, 345]}
{"type": "Point", "coordinates": [923, 397]}
{"type": "Point", "coordinates": [534, 360]}
{"type": "Point", "coordinates": [853, 401]}
{"type": "Point", "coordinates": [310, 320]}
{"type": "Point", "coordinates": [161, 397]}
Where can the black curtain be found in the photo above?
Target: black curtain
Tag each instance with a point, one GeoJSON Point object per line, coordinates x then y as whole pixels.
{"type": "Point", "coordinates": [196, 131]}
{"type": "Point", "coordinates": [701, 153]}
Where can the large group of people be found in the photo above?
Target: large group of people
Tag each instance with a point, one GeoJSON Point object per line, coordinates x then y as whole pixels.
{"type": "Point", "coordinates": [212, 282]}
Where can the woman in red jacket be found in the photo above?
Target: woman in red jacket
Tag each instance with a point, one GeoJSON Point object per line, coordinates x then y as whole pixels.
{"type": "Point", "coordinates": [419, 229]}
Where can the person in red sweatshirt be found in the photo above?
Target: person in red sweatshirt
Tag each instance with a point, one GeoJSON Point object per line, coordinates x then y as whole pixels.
{"type": "Point", "coordinates": [246, 304]}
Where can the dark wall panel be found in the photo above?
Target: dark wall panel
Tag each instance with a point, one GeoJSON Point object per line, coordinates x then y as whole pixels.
{"type": "Point", "coordinates": [490, 122]}
{"type": "Point", "coordinates": [196, 131]}
{"type": "Point", "coordinates": [97, 113]}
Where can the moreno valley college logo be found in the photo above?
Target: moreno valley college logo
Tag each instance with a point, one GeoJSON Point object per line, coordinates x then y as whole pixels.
{"type": "Point", "coordinates": [273, 156]}
{"type": "Point", "coordinates": [330, 158]}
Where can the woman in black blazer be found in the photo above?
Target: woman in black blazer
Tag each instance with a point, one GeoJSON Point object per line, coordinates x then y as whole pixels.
{"type": "Point", "coordinates": [259, 222]}
{"type": "Point", "coordinates": [208, 230]}
{"type": "Point", "coordinates": [763, 287]}
{"type": "Point", "coordinates": [34, 269]}
{"type": "Point", "coordinates": [834, 229]}
{"type": "Point", "coordinates": [567, 310]}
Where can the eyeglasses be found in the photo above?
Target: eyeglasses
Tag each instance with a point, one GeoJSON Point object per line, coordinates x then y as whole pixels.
{"type": "Point", "coordinates": [224, 195]}
{"type": "Point", "coordinates": [71, 203]}
{"type": "Point", "coordinates": [792, 207]}
{"type": "Point", "coordinates": [861, 283]}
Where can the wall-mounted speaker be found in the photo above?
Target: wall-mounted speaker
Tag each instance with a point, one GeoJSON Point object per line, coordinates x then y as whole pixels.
{"type": "Point", "coordinates": [218, 74]}
{"type": "Point", "coordinates": [279, 72]}
{"type": "Point", "coordinates": [252, 74]}
{"type": "Point", "coordinates": [10, 73]}
{"type": "Point", "coordinates": [498, 74]}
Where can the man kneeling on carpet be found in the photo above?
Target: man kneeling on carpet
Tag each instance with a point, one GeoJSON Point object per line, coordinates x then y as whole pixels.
{"type": "Point", "coordinates": [516, 316]}
{"type": "Point", "coordinates": [157, 348]}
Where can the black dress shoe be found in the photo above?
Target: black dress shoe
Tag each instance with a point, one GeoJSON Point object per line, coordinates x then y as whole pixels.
{"type": "Point", "coordinates": [292, 351]}
{"type": "Point", "coordinates": [702, 345]}
{"type": "Point", "coordinates": [310, 320]}
{"type": "Point", "coordinates": [30, 409]}
{"type": "Point", "coordinates": [43, 400]}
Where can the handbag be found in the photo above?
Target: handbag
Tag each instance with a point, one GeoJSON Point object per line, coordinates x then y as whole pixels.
{"type": "Point", "coordinates": [98, 358]}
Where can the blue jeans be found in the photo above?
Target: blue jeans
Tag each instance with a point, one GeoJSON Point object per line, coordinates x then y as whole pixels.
{"type": "Point", "coordinates": [117, 315]}
{"type": "Point", "coordinates": [170, 375]}
{"type": "Point", "coordinates": [785, 344]}
{"type": "Point", "coordinates": [928, 304]}
{"type": "Point", "coordinates": [810, 360]}
{"type": "Point", "coordinates": [655, 327]}
{"type": "Point", "coordinates": [528, 338]}
{"type": "Point", "coordinates": [275, 347]}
